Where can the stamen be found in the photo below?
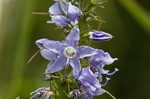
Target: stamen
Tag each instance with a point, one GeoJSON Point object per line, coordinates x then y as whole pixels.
{"type": "Point", "coordinates": [70, 52]}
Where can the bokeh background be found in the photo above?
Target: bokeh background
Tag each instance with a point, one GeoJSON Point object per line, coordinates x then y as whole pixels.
{"type": "Point", "coordinates": [127, 20]}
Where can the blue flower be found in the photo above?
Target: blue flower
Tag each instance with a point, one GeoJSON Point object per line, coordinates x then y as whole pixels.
{"type": "Point", "coordinates": [63, 13]}
{"type": "Point", "coordinates": [99, 36]}
{"type": "Point", "coordinates": [89, 82]}
{"type": "Point", "coordinates": [67, 52]}
{"type": "Point", "coordinates": [98, 62]}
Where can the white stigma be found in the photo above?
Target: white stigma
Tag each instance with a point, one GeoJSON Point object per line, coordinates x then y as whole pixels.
{"type": "Point", "coordinates": [70, 52]}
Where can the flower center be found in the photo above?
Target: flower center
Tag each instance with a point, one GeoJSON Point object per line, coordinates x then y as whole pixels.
{"type": "Point", "coordinates": [70, 52]}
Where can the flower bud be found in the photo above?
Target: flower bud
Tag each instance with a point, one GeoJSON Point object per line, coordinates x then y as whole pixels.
{"type": "Point", "coordinates": [99, 36]}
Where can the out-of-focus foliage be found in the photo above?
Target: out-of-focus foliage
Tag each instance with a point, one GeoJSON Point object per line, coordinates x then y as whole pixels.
{"type": "Point", "coordinates": [19, 29]}
{"type": "Point", "coordinates": [97, 1]}
{"type": "Point", "coordinates": [140, 14]}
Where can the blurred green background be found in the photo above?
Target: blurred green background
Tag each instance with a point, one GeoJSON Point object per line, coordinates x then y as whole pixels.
{"type": "Point", "coordinates": [127, 20]}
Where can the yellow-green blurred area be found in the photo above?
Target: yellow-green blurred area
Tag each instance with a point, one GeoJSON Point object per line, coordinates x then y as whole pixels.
{"type": "Point", "coordinates": [127, 20]}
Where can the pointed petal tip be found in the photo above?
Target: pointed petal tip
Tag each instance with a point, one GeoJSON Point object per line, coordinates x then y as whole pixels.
{"type": "Point", "coordinates": [116, 69]}
{"type": "Point", "coordinates": [107, 78]}
{"type": "Point", "coordinates": [49, 22]}
{"type": "Point", "coordinates": [40, 42]}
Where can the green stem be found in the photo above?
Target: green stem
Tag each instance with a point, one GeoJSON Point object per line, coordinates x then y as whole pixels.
{"type": "Point", "coordinates": [139, 13]}
{"type": "Point", "coordinates": [113, 97]}
{"type": "Point", "coordinates": [33, 57]}
{"type": "Point", "coordinates": [40, 13]}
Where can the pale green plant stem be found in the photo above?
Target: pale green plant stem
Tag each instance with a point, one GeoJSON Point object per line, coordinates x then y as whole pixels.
{"type": "Point", "coordinates": [1, 29]}
{"type": "Point", "coordinates": [138, 12]}
{"type": "Point", "coordinates": [21, 52]}
{"type": "Point", "coordinates": [107, 92]}
{"type": "Point", "coordinates": [33, 56]}
{"type": "Point", "coordinates": [40, 13]}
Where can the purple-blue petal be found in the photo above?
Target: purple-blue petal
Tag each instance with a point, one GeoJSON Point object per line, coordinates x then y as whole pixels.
{"type": "Point", "coordinates": [60, 20]}
{"type": "Point", "coordinates": [73, 13]}
{"type": "Point", "coordinates": [46, 95]}
{"type": "Point", "coordinates": [64, 6]}
{"type": "Point", "coordinates": [89, 81]}
{"type": "Point", "coordinates": [108, 59]}
{"type": "Point", "coordinates": [88, 76]}
{"type": "Point", "coordinates": [76, 67]}
{"type": "Point", "coordinates": [101, 58]}
{"type": "Point", "coordinates": [54, 46]}
{"type": "Point", "coordinates": [112, 73]}
{"type": "Point", "coordinates": [73, 38]}
{"type": "Point", "coordinates": [49, 55]}
{"type": "Point", "coordinates": [89, 95]}
{"type": "Point", "coordinates": [80, 94]}
{"type": "Point", "coordinates": [55, 9]}
{"type": "Point", "coordinates": [106, 82]}
{"type": "Point", "coordinates": [98, 62]}
{"type": "Point", "coordinates": [57, 65]}
{"type": "Point", "coordinates": [86, 51]}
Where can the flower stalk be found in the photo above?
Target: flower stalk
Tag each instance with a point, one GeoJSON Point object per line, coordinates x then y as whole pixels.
{"type": "Point", "coordinates": [113, 97]}
{"type": "Point", "coordinates": [75, 70]}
